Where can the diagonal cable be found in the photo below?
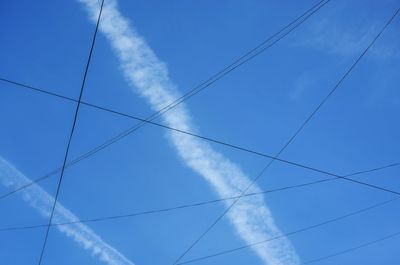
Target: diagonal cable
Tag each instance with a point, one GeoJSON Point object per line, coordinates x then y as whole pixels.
{"type": "Point", "coordinates": [208, 139]}
{"type": "Point", "coordinates": [352, 249]}
{"type": "Point", "coordinates": [286, 235]}
{"type": "Point", "coordinates": [197, 204]}
{"type": "Point", "coordinates": [263, 46]}
{"type": "Point", "coordinates": [307, 120]}
{"type": "Point", "coordinates": [70, 136]}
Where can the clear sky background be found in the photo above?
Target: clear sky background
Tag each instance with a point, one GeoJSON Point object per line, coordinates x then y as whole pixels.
{"type": "Point", "coordinates": [259, 106]}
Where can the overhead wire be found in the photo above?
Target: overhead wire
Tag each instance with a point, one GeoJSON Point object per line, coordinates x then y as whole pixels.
{"type": "Point", "coordinates": [305, 122]}
{"type": "Point", "coordinates": [144, 121]}
{"type": "Point", "coordinates": [197, 204]}
{"type": "Point", "coordinates": [286, 235]}
{"type": "Point", "coordinates": [238, 62]}
{"type": "Point", "coordinates": [48, 226]}
{"type": "Point", "coordinates": [352, 249]}
{"type": "Point", "coordinates": [258, 153]}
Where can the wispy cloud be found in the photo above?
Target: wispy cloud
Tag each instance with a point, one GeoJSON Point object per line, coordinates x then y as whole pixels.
{"type": "Point", "coordinates": [301, 84]}
{"type": "Point", "coordinates": [340, 37]}
{"type": "Point", "coordinates": [148, 76]}
{"type": "Point", "coordinates": [42, 202]}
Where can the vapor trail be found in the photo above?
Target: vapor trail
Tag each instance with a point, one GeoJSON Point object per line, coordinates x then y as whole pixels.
{"type": "Point", "coordinates": [40, 200]}
{"type": "Point", "coordinates": [148, 77]}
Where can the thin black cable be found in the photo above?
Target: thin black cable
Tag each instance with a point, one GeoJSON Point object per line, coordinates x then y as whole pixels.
{"type": "Point", "coordinates": [5, 80]}
{"type": "Point", "coordinates": [353, 248]}
{"type": "Point", "coordinates": [373, 170]}
{"type": "Point", "coordinates": [254, 180]}
{"type": "Point", "coordinates": [191, 205]}
{"type": "Point", "coordinates": [233, 66]}
{"type": "Point", "coordinates": [227, 69]}
{"type": "Point", "coordinates": [200, 87]}
{"type": "Point", "coordinates": [200, 137]}
{"type": "Point", "coordinates": [183, 132]}
{"type": "Point", "coordinates": [286, 235]}
{"type": "Point", "coordinates": [71, 135]}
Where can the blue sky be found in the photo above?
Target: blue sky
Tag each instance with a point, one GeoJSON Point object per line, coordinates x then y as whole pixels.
{"type": "Point", "coordinates": [258, 106]}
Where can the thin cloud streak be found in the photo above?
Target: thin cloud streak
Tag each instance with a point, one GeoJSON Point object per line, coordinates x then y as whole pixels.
{"type": "Point", "coordinates": [40, 200]}
{"type": "Point", "coordinates": [335, 36]}
{"type": "Point", "coordinates": [148, 77]}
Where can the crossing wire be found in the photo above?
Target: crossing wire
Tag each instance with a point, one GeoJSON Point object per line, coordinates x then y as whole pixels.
{"type": "Point", "coordinates": [217, 200]}
{"type": "Point", "coordinates": [191, 205]}
{"type": "Point", "coordinates": [193, 135]}
{"type": "Point", "coordinates": [240, 61]}
{"type": "Point", "coordinates": [70, 136]}
{"type": "Point", "coordinates": [210, 227]}
{"type": "Point", "coordinates": [286, 235]}
{"type": "Point", "coordinates": [143, 121]}
{"type": "Point", "coordinates": [352, 249]}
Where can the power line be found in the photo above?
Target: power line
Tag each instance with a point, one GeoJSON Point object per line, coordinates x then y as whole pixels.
{"type": "Point", "coordinates": [60, 180]}
{"type": "Point", "coordinates": [36, 89]}
{"type": "Point", "coordinates": [238, 62]}
{"type": "Point", "coordinates": [186, 133]}
{"type": "Point", "coordinates": [71, 135]}
{"type": "Point", "coordinates": [93, 151]}
{"type": "Point", "coordinates": [191, 205]}
{"type": "Point", "coordinates": [143, 122]}
{"type": "Point", "coordinates": [353, 248]}
{"type": "Point", "coordinates": [258, 50]}
{"type": "Point", "coordinates": [307, 228]}
{"type": "Point", "coordinates": [373, 170]}
{"type": "Point", "coordinates": [210, 227]}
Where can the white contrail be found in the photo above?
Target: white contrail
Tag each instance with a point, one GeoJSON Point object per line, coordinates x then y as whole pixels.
{"type": "Point", "coordinates": [149, 78]}
{"type": "Point", "coordinates": [43, 202]}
